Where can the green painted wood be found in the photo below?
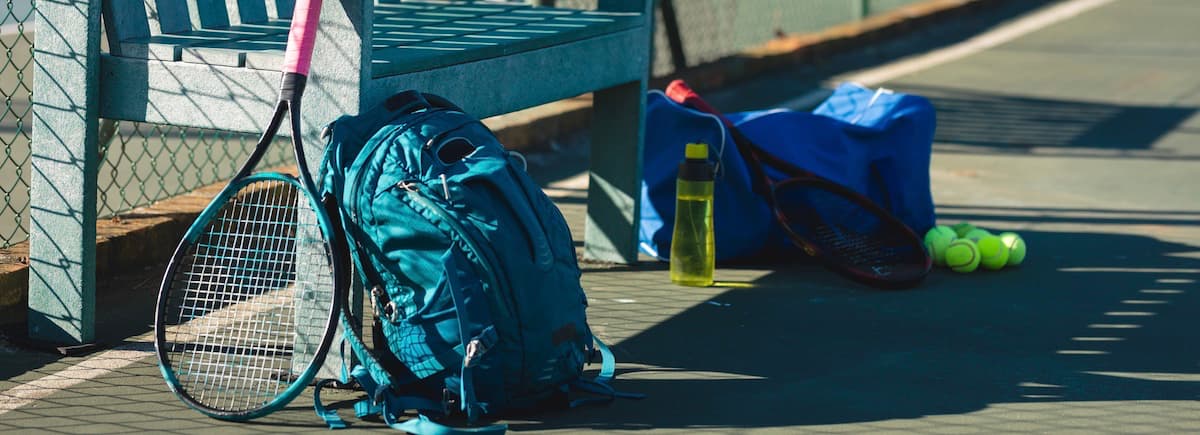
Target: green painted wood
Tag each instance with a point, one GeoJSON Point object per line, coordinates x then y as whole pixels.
{"type": "Point", "coordinates": [340, 70]}
{"type": "Point", "coordinates": [186, 94]}
{"type": "Point", "coordinates": [504, 31]}
{"type": "Point", "coordinates": [170, 47]}
{"type": "Point", "coordinates": [151, 50]}
{"type": "Point", "coordinates": [234, 53]}
{"type": "Point", "coordinates": [645, 7]}
{"type": "Point", "coordinates": [125, 19]}
{"type": "Point", "coordinates": [172, 15]}
{"type": "Point", "coordinates": [247, 11]}
{"type": "Point", "coordinates": [270, 60]}
{"type": "Point", "coordinates": [279, 9]}
{"type": "Point", "coordinates": [62, 241]}
{"type": "Point", "coordinates": [411, 36]}
{"type": "Point", "coordinates": [209, 14]}
{"type": "Point", "coordinates": [217, 55]}
{"type": "Point", "coordinates": [614, 190]}
{"type": "Point", "coordinates": [527, 79]}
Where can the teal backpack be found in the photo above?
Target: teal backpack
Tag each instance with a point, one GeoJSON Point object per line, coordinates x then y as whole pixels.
{"type": "Point", "coordinates": [470, 268]}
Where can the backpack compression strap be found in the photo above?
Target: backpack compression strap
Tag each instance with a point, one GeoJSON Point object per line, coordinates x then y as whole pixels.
{"type": "Point", "coordinates": [377, 382]}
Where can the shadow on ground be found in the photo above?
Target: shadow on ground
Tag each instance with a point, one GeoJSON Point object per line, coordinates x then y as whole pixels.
{"type": "Point", "coordinates": [124, 308]}
{"type": "Point", "coordinates": [1090, 317]}
{"type": "Point", "coordinates": [979, 122]}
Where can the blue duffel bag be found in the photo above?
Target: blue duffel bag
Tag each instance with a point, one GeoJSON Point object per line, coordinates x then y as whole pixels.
{"type": "Point", "coordinates": [876, 142]}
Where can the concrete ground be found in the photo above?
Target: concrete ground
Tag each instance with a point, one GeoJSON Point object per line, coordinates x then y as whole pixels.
{"type": "Point", "coordinates": [1082, 135]}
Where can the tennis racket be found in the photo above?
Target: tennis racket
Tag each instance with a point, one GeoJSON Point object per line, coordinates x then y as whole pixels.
{"type": "Point", "coordinates": [847, 231]}
{"type": "Point", "coordinates": [248, 305]}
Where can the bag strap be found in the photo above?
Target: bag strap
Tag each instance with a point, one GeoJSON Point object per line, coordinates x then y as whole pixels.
{"type": "Point", "coordinates": [600, 384]}
{"type": "Point", "coordinates": [377, 382]}
{"type": "Point", "coordinates": [473, 347]}
{"type": "Point", "coordinates": [382, 400]}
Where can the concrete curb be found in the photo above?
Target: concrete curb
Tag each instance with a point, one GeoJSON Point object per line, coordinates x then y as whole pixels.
{"type": "Point", "coordinates": [817, 47]}
{"type": "Point", "coordinates": [124, 243]}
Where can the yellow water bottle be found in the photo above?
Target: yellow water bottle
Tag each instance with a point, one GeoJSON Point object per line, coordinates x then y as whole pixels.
{"type": "Point", "coordinates": [692, 252]}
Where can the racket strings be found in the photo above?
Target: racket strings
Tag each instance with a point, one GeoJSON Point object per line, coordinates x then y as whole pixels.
{"type": "Point", "coordinates": [846, 231]}
{"type": "Point", "coordinates": [236, 330]}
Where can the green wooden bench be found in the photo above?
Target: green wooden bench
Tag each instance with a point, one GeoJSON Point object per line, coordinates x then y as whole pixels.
{"type": "Point", "coordinates": [213, 64]}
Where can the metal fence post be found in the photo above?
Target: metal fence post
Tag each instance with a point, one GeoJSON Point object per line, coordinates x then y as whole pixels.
{"type": "Point", "coordinates": [62, 242]}
{"type": "Point", "coordinates": [862, 9]}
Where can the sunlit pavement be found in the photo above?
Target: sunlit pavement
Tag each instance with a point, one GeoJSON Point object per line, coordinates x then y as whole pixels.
{"type": "Point", "coordinates": [1082, 136]}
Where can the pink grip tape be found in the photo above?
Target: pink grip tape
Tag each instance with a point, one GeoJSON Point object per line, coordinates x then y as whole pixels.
{"type": "Point", "coordinates": [302, 36]}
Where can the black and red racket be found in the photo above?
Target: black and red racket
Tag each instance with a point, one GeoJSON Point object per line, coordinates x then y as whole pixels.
{"type": "Point", "coordinates": [847, 231]}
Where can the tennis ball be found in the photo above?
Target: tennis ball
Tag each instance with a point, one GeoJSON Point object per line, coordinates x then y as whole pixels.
{"type": "Point", "coordinates": [936, 241]}
{"type": "Point", "coordinates": [1016, 247]}
{"type": "Point", "coordinates": [962, 256]}
{"type": "Point", "coordinates": [976, 234]}
{"type": "Point", "coordinates": [962, 228]}
{"type": "Point", "coordinates": [993, 254]}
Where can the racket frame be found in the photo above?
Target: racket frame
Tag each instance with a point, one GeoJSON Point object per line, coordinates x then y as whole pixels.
{"type": "Point", "coordinates": [754, 156]}
{"type": "Point", "coordinates": [288, 105]}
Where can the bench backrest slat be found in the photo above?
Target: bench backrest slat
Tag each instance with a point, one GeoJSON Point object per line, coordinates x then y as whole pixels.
{"type": "Point", "coordinates": [211, 14]}
{"type": "Point", "coordinates": [247, 11]}
{"type": "Point", "coordinates": [172, 15]}
{"type": "Point", "coordinates": [126, 19]}
{"type": "Point", "coordinates": [280, 8]}
{"type": "Point", "coordinates": [642, 6]}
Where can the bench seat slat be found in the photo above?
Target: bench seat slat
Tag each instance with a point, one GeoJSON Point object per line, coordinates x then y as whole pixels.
{"type": "Point", "coordinates": [170, 46]}
{"type": "Point", "coordinates": [234, 98]}
{"type": "Point", "coordinates": [408, 36]}
{"type": "Point", "coordinates": [232, 53]}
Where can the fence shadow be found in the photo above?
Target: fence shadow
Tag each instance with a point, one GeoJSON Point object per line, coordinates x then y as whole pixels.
{"type": "Point", "coordinates": [981, 122]}
{"type": "Point", "coordinates": [1079, 322]}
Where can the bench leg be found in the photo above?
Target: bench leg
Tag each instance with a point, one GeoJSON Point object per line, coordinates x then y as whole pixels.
{"type": "Point", "coordinates": [614, 192]}
{"type": "Point", "coordinates": [62, 239]}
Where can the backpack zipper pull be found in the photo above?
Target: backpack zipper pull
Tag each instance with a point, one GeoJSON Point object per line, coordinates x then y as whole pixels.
{"type": "Point", "coordinates": [445, 188]}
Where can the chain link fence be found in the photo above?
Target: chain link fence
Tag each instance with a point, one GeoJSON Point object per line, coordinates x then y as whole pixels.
{"type": "Point", "coordinates": [16, 88]}
{"type": "Point", "coordinates": [144, 163]}
{"type": "Point", "coordinates": [709, 30]}
{"type": "Point", "coordinates": [141, 164]}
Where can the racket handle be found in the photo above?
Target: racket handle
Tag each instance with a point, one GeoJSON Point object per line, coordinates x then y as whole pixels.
{"type": "Point", "coordinates": [302, 36]}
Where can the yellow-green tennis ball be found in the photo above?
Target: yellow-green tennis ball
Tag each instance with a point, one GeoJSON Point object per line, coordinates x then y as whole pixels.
{"type": "Point", "coordinates": [962, 228]}
{"type": "Point", "coordinates": [962, 256]}
{"type": "Point", "coordinates": [976, 234]}
{"type": "Point", "coordinates": [1016, 247]}
{"type": "Point", "coordinates": [993, 255]}
{"type": "Point", "coordinates": [936, 241]}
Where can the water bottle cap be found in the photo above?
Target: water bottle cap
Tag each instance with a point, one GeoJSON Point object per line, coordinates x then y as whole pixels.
{"type": "Point", "coordinates": [696, 151]}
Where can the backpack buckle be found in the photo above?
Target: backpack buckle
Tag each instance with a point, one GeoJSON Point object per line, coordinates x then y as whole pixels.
{"type": "Point", "coordinates": [475, 349]}
{"type": "Point", "coordinates": [376, 297]}
{"type": "Point", "coordinates": [391, 312]}
{"type": "Point", "coordinates": [478, 346]}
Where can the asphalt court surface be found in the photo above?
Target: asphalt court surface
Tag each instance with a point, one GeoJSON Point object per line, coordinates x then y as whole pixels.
{"type": "Point", "coordinates": [1083, 136]}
